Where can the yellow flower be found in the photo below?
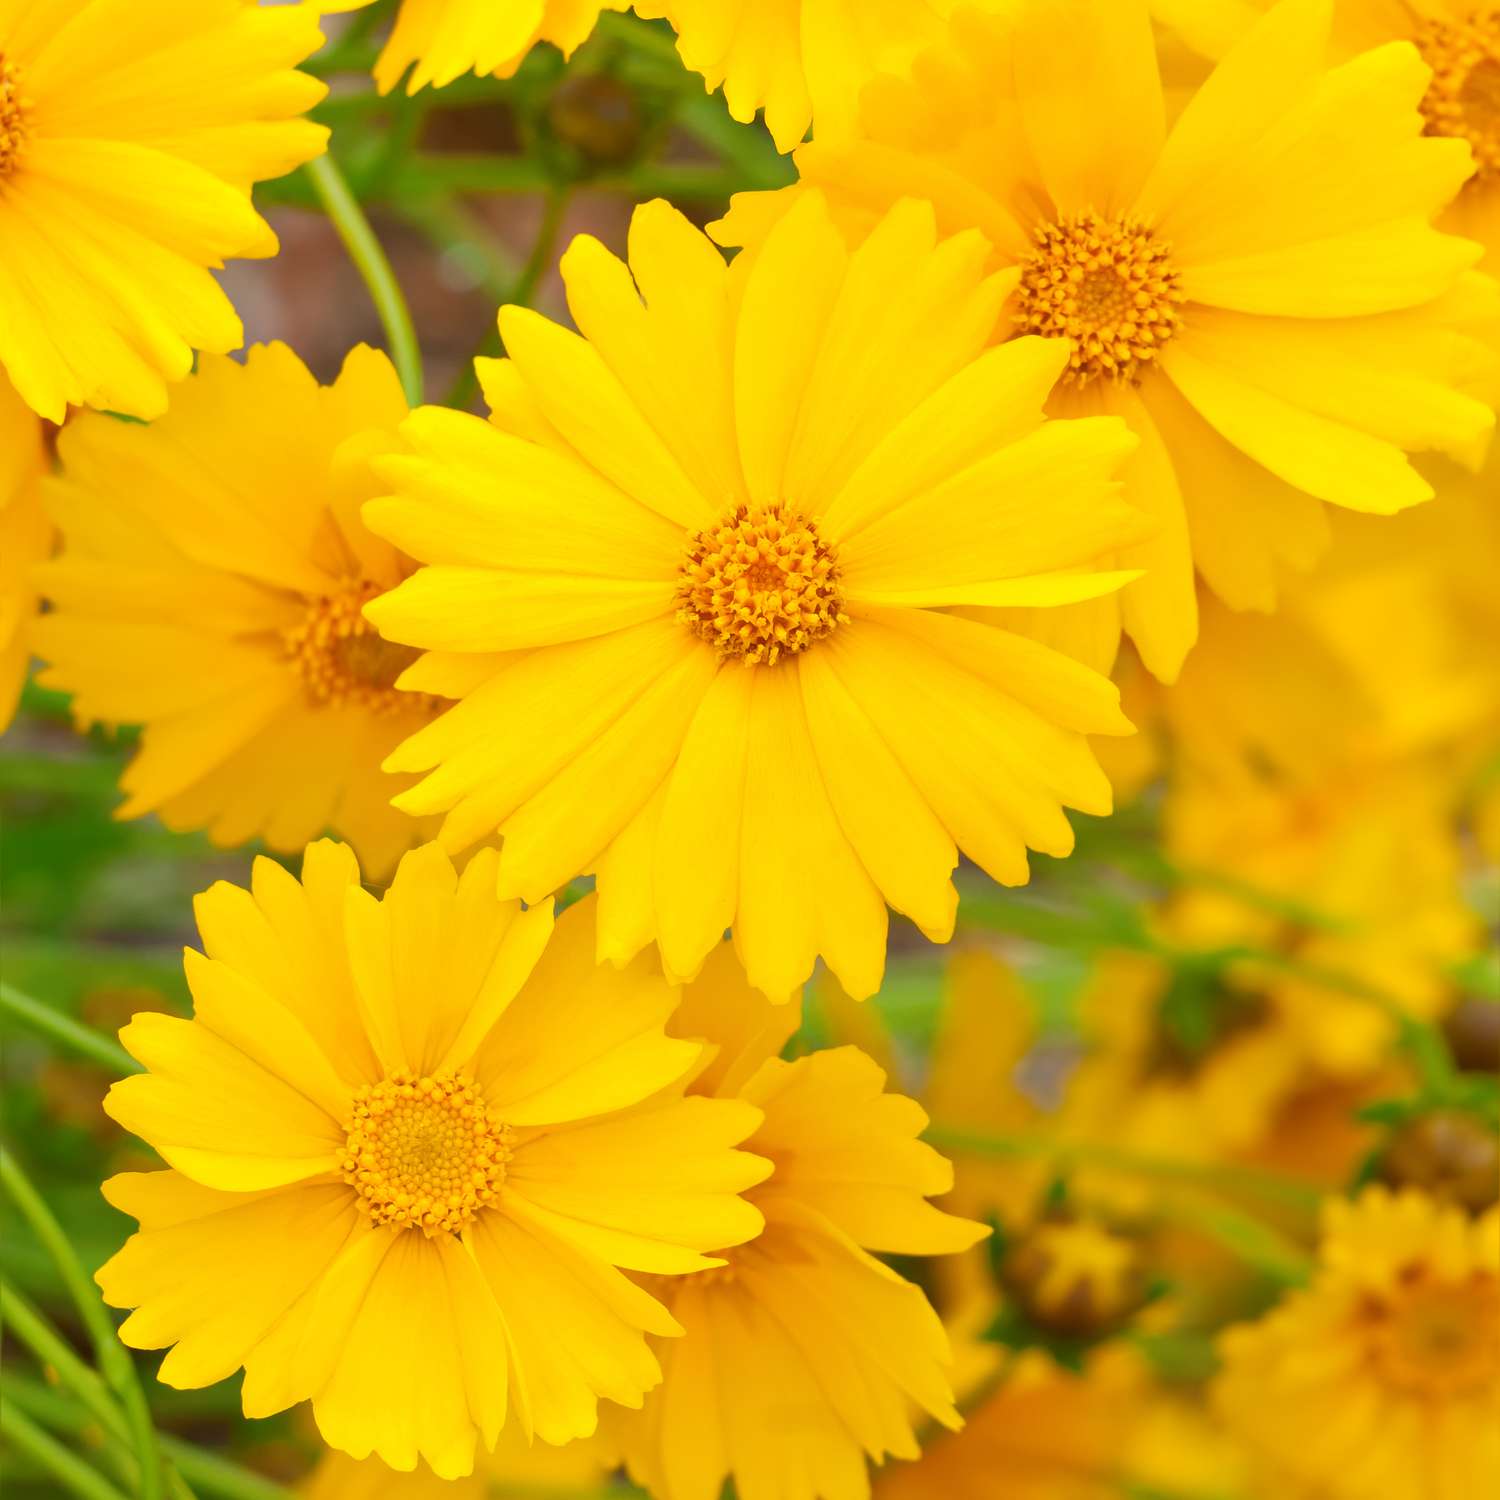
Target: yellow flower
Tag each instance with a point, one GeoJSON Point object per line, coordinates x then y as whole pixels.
{"type": "Point", "coordinates": [1051, 1434]}
{"type": "Point", "coordinates": [440, 40]}
{"type": "Point", "coordinates": [209, 587]}
{"type": "Point", "coordinates": [25, 539]}
{"type": "Point", "coordinates": [804, 1353]}
{"type": "Point", "coordinates": [416, 1141]}
{"type": "Point", "coordinates": [1258, 290]}
{"type": "Point", "coordinates": [803, 61]}
{"type": "Point", "coordinates": [1381, 1381]}
{"type": "Point", "coordinates": [692, 585]}
{"type": "Point", "coordinates": [130, 136]}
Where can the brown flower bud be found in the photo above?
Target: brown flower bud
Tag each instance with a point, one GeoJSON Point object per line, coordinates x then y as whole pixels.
{"type": "Point", "coordinates": [598, 116]}
{"type": "Point", "coordinates": [1453, 1156]}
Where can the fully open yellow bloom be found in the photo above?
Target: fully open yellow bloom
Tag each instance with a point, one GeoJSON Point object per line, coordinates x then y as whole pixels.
{"type": "Point", "coordinates": [693, 584]}
{"type": "Point", "coordinates": [25, 539]}
{"type": "Point", "coordinates": [210, 584]}
{"type": "Point", "coordinates": [804, 62]}
{"type": "Point", "coordinates": [440, 40]}
{"type": "Point", "coordinates": [803, 1353]}
{"type": "Point", "coordinates": [1381, 1381]}
{"type": "Point", "coordinates": [1259, 290]}
{"type": "Point", "coordinates": [130, 136]}
{"type": "Point", "coordinates": [411, 1142]}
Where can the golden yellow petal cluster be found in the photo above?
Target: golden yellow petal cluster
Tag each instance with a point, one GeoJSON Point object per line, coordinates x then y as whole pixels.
{"type": "Point", "coordinates": [125, 177]}
{"type": "Point", "coordinates": [716, 553]}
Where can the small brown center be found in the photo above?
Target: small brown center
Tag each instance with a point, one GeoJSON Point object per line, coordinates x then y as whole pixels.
{"type": "Point", "coordinates": [343, 659]}
{"type": "Point", "coordinates": [760, 585]}
{"type": "Point", "coordinates": [1110, 286]}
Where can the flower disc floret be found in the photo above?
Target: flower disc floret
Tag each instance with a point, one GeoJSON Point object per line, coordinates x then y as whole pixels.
{"type": "Point", "coordinates": [761, 585]}
{"type": "Point", "coordinates": [1437, 1339]}
{"type": "Point", "coordinates": [13, 112]}
{"type": "Point", "coordinates": [1463, 100]}
{"type": "Point", "coordinates": [1110, 286]}
{"type": "Point", "coordinates": [424, 1153]}
{"type": "Point", "coordinates": [342, 658]}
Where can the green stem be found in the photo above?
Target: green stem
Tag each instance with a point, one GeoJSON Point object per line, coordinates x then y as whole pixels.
{"type": "Point", "coordinates": [115, 1364]}
{"type": "Point", "coordinates": [372, 263]}
{"type": "Point", "coordinates": [71, 1472]}
{"type": "Point", "coordinates": [641, 36]}
{"type": "Point", "coordinates": [1223, 1176]}
{"type": "Point", "coordinates": [211, 1474]}
{"type": "Point", "coordinates": [57, 1358]}
{"type": "Point", "coordinates": [1254, 1242]}
{"type": "Point", "coordinates": [74, 1035]}
{"type": "Point", "coordinates": [543, 252]}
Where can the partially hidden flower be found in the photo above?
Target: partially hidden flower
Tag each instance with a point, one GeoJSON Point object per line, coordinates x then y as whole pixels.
{"type": "Point", "coordinates": [700, 584]}
{"type": "Point", "coordinates": [434, 42]}
{"type": "Point", "coordinates": [804, 62]}
{"type": "Point", "coordinates": [1259, 290]}
{"type": "Point", "coordinates": [413, 1145]}
{"type": "Point", "coordinates": [209, 587]}
{"type": "Point", "coordinates": [803, 1356]}
{"type": "Point", "coordinates": [130, 137]}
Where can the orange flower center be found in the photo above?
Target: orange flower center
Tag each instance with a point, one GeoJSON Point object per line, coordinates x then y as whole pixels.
{"type": "Point", "coordinates": [1439, 1339]}
{"type": "Point", "coordinates": [761, 585]}
{"type": "Point", "coordinates": [1108, 285]}
{"type": "Point", "coordinates": [14, 108]}
{"type": "Point", "coordinates": [1463, 99]}
{"type": "Point", "coordinates": [343, 659]}
{"type": "Point", "coordinates": [424, 1153]}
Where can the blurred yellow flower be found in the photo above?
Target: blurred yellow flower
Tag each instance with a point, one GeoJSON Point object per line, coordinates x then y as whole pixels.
{"type": "Point", "coordinates": [25, 539]}
{"type": "Point", "coordinates": [441, 40]}
{"type": "Point", "coordinates": [209, 587]}
{"type": "Point", "coordinates": [1259, 290]}
{"type": "Point", "coordinates": [692, 584]}
{"type": "Point", "coordinates": [803, 61]}
{"type": "Point", "coordinates": [418, 1140]}
{"type": "Point", "coordinates": [130, 137]}
{"type": "Point", "coordinates": [803, 1354]}
{"type": "Point", "coordinates": [1046, 1433]}
{"type": "Point", "coordinates": [1381, 1381]}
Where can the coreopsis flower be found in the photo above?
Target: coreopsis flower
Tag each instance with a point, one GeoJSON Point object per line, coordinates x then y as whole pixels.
{"type": "Point", "coordinates": [209, 588]}
{"type": "Point", "coordinates": [803, 1354]}
{"type": "Point", "coordinates": [1259, 290]}
{"type": "Point", "coordinates": [25, 539]}
{"type": "Point", "coordinates": [130, 137]}
{"type": "Point", "coordinates": [416, 1139]}
{"type": "Point", "coordinates": [804, 62]}
{"type": "Point", "coordinates": [1381, 1380]}
{"type": "Point", "coordinates": [436, 41]}
{"type": "Point", "coordinates": [1048, 1433]}
{"type": "Point", "coordinates": [693, 583]}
